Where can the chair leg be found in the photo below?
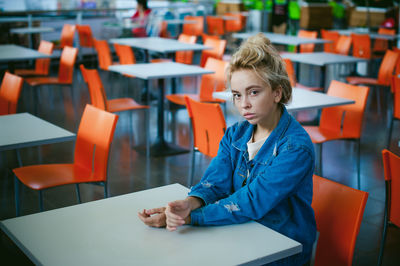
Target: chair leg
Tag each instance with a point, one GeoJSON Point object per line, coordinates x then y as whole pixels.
{"type": "Point", "coordinates": [390, 133]}
{"type": "Point", "coordinates": [358, 163]}
{"type": "Point", "coordinates": [147, 117]}
{"type": "Point", "coordinates": [78, 193]}
{"type": "Point", "coordinates": [40, 200]}
{"type": "Point", "coordinates": [192, 168]}
{"type": "Point", "coordinates": [16, 195]}
{"type": "Point", "coordinates": [382, 246]}
{"type": "Point", "coordinates": [105, 190]}
{"type": "Point", "coordinates": [131, 129]}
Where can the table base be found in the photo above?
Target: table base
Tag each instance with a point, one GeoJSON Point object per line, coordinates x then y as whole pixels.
{"type": "Point", "coordinates": [163, 148]}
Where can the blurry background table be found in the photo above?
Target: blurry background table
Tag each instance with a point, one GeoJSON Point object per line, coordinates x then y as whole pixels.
{"type": "Point", "coordinates": [108, 232]}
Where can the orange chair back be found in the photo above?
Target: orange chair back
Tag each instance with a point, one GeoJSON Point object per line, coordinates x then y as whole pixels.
{"type": "Point", "coordinates": [381, 45]}
{"type": "Point", "coordinates": [67, 35]}
{"type": "Point", "coordinates": [345, 119]}
{"type": "Point", "coordinates": [92, 148]}
{"type": "Point", "coordinates": [67, 62]}
{"type": "Point", "coordinates": [42, 65]}
{"type": "Point", "coordinates": [391, 166]}
{"type": "Point", "coordinates": [125, 54]}
{"type": "Point", "coordinates": [361, 45]}
{"type": "Point", "coordinates": [10, 91]}
{"type": "Point", "coordinates": [309, 47]}
{"type": "Point", "coordinates": [215, 25]}
{"type": "Point", "coordinates": [208, 124]}
{"type": "Point", "coordinates": [98, 96]}
{"type": "Point", "coordinates": [396, 96]}
{"type": "Point", "coordinates": [290, 71]}
{"type": "Point", "coordinates": [85, 36]}
{"type": "Point", "coordinates": [343, 45]}
{"type": "Point", "coordinates": [213, 82]}
{"type": "Point", "coordinates": [103, 53]}
{"type": "Point", "coordinates": [194, 28]}
{"type": "Point", "coordinates": [235, 25]}
{"type": "Point", "coordinates": [332, 36]}
{"type": "Point", "coordinates": [185, 57]}
{"type": "Point", "coordinates": [204, 37]}
{"type": "Point", "coordinates": [217, 51]}
{"type": "Point", "coordinates": [387, 67]}
{"type": "Point", "coordinates": [338, 212]}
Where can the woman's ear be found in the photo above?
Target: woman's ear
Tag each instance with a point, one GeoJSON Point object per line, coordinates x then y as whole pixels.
{"type": "Point", "coordinates": [277, 93]}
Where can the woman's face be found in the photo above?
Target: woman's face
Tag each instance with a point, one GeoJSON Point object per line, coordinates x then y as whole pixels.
{"type": "Point", "coordinates": [253, 98]}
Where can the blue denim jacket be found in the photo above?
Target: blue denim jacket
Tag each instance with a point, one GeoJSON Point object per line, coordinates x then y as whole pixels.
{"type": "Point", "coordinates": [274, 189]}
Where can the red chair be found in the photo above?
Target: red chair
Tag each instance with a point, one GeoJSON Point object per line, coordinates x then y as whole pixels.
{"type": "Point", "coordinates": [41, 65]}
{"type": "Point", "coordinates": [343, 45]}
{"type": "Point", "coordinates": [395, 87]}
{"type": "Point", "coordinates": [236, 24]}
{"type": "Point", "coordinates": [215, 25]}
{"type": "Point", "coordinates": [292, 77]}
{"type": "Point", "coordinates": [391, 165]}
{"type": "Point", "coordinates": [196, 28]}
{"type": "Point", "coordinates": [90, 162]}
{"type": "Point", "coordinates": [341, 122]}
{"type": "Point", "coordinates": [338, 212]}
{"type": "Point", "coordinates": [331, 36]}
{"type": "Point", "coordinates": [10, 91]}
{"type": "Point", "coordinates": [381, 45]}
{"type": "Point", "coordinates": [184, 57]}
{"type": "Point", "coordinates": [217, 51]}
{"type": "Point", "coordinates": [309, 47]}
{"type": "Point", "coordinates": [103, 54]}
{"type": "Point", "coordinates": [67, 37]}
{"type": "Point", "coordinates": [85, 36]}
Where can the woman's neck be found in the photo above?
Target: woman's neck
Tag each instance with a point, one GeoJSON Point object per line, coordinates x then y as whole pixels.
{"type": "Point", "coordinates": [263, 130]}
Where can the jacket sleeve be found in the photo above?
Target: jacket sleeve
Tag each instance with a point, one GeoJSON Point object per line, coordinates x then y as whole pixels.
{"type": "Point", "coordinates": [217, 180]}
{"type": "Point", "coordinates": [253, 201]}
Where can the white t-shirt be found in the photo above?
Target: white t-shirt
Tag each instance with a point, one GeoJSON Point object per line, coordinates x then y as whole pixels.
{"type": "Point", "coordinates": [254, 147]}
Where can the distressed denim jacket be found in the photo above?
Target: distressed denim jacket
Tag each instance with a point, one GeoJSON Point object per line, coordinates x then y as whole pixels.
{"type": "Point", "coordinates": [274, 189]}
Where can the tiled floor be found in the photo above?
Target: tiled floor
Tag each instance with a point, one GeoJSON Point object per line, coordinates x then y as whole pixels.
{"type": "Point", "coordinates": [129, 171]}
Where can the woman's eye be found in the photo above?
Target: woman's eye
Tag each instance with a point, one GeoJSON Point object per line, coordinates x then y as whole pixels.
{"type": "Point", "coordinates": [236, 96]}
{"type": "Point", "coordinates": [253, 92]}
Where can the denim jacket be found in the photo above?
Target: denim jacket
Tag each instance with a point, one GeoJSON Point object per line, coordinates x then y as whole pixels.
{"type": "Point", "coordinates": [274, 189]}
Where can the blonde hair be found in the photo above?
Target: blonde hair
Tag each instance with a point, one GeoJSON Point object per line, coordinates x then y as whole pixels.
{"type": "Point", "coordinates": [258, 54]}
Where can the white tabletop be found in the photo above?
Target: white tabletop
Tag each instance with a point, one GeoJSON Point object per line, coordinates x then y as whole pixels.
{"type": "Point", "coordinates": [179, 21]}
{"type": "Point", "coordinates": [31, 30]}
{"type": "Point", "coordinates": [108, 232]}
{"type": "Point", "coordinates": [25, 130]}
{"type": "Point", "coordinates": [160, 70]}
{"type": "Point", "coordinates": [281, 38]}
{"type": "Point", "coordinates": [157, 44]}
{"type": "Point", "coordinates": [11, 52]}
{"type": "Point", "coordinates": [371, 35]}
{"type": "Point", "coordinates": [302, 100]}
{"type": "Point", "coordinates": [322, 58]}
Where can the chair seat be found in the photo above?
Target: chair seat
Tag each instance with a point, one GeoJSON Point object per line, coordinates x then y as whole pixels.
{"type": "Point", "coordinates": [298, 85]}
{"type": "Point", "coordinates": [44, 176]}
{"type": "Point", "coordinates": [180, 98]}
{"type": "Point", "coordinates": [37, 81]}
{"type": "Point", "coordinates": [123, 104]}
{"type": "Point", "coordinates": [362, 80]}
{"type": "Point", "coordinates": [27, 72]}
{"type": "Point", "coordinates": [319, 135]}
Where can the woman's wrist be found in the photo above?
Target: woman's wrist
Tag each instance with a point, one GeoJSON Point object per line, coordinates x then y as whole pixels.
{"type": "Point", "coordinates": [194, 202]}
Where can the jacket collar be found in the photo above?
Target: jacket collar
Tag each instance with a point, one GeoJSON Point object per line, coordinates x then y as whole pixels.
{"type": "Point", "coordinates": [271, 142]}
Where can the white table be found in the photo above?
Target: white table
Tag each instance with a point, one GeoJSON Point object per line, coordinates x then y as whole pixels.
{"type": "Point", "coordinates": [322, 60]}
{"type": "Point", "coordinates": [161, 71]}
{"type": "Point", "coordinates": [9, 53]}
{"type": "Point", "coordinates": [301, 100]}
{"type": "Point", "coordinates": [282, 38]}
{"type": "Point", "coordinates": [108, 232]}
{"type": "Point", "coordinates": [30, 31]}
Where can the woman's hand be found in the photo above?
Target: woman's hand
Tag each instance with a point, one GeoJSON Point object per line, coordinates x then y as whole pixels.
{"type": "Point", "coordinates": [178, 212]}
{"type": "Point", "coordinates": [153, 217]}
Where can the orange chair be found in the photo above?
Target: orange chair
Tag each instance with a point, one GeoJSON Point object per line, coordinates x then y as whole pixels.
{"type": "Point", "coordinates": [236, 24]}
{"type": "Point", "coordinates": [208, 127]}
{"type": "Point", "coordinates": [194, 28]}
{"type": "Point", "coordinates": [332, 36]}
{"type": "Point", "coordinates": [338, 212]}
{"type": "Point", "coordinates": [292, 77]}
{"type": "Point", "coordinates": [343, 45]}
{"type": "Point", "coordinates": [309, 47]}
{"type": "Point", "coordinates": [215, 25]}
{"type": "Point", "coordinates": [184, 57]}
{"type": "Point", "coordinates": [10, 91]}
{"type": "Point", "coordinates": [361, 45]}
{"type": "Point", "coordinates": [381, 45]}
{"type": "Point", "coordinates": [217, 51]}
{"type": "Point", "coordinates": [67, 37]}
{"type": "Point", "coordinates": [103, 54]}
{"type": "Point", "coordinates": [99, 99]}
{"type": "Point", "coordinates": [85, 36]}
{"type": "Point", "coordinates": [341, 122]}
{"type": "Point", "coordinates": [395, 87]}
{"type": "Point", "coordinates": [90, 162]}
{"type": "Point", "coordinates": [209, 84]}
{"type": "Point", "coordinates": [391, 165]}
{"type": "Point", "coordinates": [41, 65]}
{"type": "Point", "coordinates": [125, 54]}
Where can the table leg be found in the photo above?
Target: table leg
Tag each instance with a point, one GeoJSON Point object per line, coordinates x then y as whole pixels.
{"type": "Point", "coordinates": [161, 147]}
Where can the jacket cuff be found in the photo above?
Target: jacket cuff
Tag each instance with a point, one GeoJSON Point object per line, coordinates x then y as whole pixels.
{"type": "Point", "coordinates": [197, 217]}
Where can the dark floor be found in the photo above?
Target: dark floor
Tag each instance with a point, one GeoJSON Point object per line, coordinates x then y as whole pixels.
{"type": "Point", "coordinates": [129, 171]}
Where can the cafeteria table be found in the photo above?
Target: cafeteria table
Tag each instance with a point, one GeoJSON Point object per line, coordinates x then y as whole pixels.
{"type": "Point", "coordinates": [161, 71]}
{"type": "Point", "coordinates": [30, 31]}
{"type": "Point", "coordinates": [10, 53]}
{"type": "Point", "coordinates": [109, 232]}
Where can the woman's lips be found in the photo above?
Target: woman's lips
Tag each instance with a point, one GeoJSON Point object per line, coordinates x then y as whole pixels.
{"type": "Point", "coordinates": [249, 115]}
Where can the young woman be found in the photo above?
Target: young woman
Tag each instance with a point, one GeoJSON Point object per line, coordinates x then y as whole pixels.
{"type": "Point", "coordinates": [140, 17]}
{"type": "Point", "coordinates": [264, 167]}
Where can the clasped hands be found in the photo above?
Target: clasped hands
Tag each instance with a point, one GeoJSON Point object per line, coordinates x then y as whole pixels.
{"type": "Point", "coordinates": [175, 214]}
